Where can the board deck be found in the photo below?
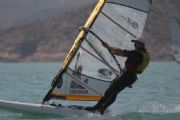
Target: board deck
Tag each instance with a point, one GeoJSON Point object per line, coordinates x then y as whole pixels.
{"type": "Point", "coordinates": [44, 109]}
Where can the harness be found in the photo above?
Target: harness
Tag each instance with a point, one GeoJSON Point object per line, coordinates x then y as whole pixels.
{"type": "Point", "coordinates": [142, 66]}
{"type": "Point", "coordinates": [144, 63]}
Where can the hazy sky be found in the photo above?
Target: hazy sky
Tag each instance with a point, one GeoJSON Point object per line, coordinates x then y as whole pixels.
{"type": "Point", "coordinates": [13, 12]}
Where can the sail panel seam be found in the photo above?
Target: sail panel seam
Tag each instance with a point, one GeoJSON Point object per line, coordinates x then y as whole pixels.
{"type": "Point", "coordinates": [90, 76]}
{"type": "Point", "coordinates": [115, 71]}
{"type": "Point", "coordinates": [100, 60]}
{"type": "Point", "coordinates": [128, 7]}
{"type": "Point", "coordinates": [120, 26]}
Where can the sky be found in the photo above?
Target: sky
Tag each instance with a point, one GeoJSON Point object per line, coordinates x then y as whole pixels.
{"type": "Point", "coordinates": [15, 12]}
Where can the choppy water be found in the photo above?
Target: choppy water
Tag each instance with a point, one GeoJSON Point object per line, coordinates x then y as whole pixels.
{"type": "Point", "coordinates": [155, 96]}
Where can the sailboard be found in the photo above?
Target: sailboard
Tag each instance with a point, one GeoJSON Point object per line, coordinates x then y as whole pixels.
{"type": "Point", "coordinates": [175, 39]}
{"type": "Point", "coordinates": [89, 68]}
{"type": "Point", "coordinates": [51, 109]}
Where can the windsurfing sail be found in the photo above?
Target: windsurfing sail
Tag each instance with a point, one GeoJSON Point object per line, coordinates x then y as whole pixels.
{"type": "Point", "coordinates": [89, 67]}
{"type": "Point", "coordinates": [175, 39]}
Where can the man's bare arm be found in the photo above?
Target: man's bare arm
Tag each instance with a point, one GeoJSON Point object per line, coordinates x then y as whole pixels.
{"type": "Point", "coordinates": [114, 50]}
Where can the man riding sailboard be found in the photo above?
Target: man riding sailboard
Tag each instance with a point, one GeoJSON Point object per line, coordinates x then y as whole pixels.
{"type": "Point", "coordinates": [137, 61]}
{"type": "Point", "coordinates": [97, 67]}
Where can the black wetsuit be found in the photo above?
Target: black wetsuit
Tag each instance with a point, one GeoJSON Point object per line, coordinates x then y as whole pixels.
{"type": "Point", "coordinates": [128, 77]}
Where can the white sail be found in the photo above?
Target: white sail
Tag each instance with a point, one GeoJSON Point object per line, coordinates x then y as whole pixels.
{"type": "Point", "coordinates": [175, 39]}
{"type": "Point", "coordinates": [89, 67]}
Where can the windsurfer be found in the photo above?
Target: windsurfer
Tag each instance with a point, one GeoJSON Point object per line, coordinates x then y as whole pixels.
{"type": "Point", "coordinates": [137, 61]}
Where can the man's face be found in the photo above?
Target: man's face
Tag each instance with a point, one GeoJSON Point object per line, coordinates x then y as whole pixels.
{"type": "Point", "coordinates": [138, 45]}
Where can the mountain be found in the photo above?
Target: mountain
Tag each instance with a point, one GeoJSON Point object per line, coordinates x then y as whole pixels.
{"type": "Point", "coordinates": [157, 30]}
{"type": "Point", "coordinates": [43, 40]}
{"type": "Point", "coordinates": [49, 33]}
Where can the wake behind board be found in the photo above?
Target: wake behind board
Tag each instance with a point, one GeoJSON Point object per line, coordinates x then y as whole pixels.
{"type": "Point", "coordinates": [45, 109]}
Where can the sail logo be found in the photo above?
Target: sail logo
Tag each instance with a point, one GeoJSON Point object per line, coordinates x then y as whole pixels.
{"type": "Point", "coordinates": [131, 22]}
{"type": "Point", "coordinates": [78, 91]}
{"type": "Point", "coordinates": [60, 83]}
{"type": "Point", "coordinates": [76, 88]}
{"type": "Point", "coordinates": [86, 81]}
{"type": "Point", "coordinates": [104, 73]}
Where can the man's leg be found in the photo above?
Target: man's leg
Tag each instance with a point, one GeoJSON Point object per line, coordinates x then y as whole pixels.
{"type": "Point", "coordinates": [106, 96]}
{"type": "Point", "coordinates": [110, 95]}
{"type": "Point", "coordinates": [106, 104]}
{"type": "Point", "coordinates": [111, 99]}
{"type": "Point", "coordinates": [125, 81]}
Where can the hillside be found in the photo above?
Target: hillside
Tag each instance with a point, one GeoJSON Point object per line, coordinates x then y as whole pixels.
{"type": "Point", "coordinates": [157, 31]}
{"type": "Point", "coordinates": [47, 40]}
{"type": "Point", "coordinates": [50, 40]}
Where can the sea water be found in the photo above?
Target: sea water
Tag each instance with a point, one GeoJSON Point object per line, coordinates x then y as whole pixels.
{"type": "Point", "coordinates": [155, 96]}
